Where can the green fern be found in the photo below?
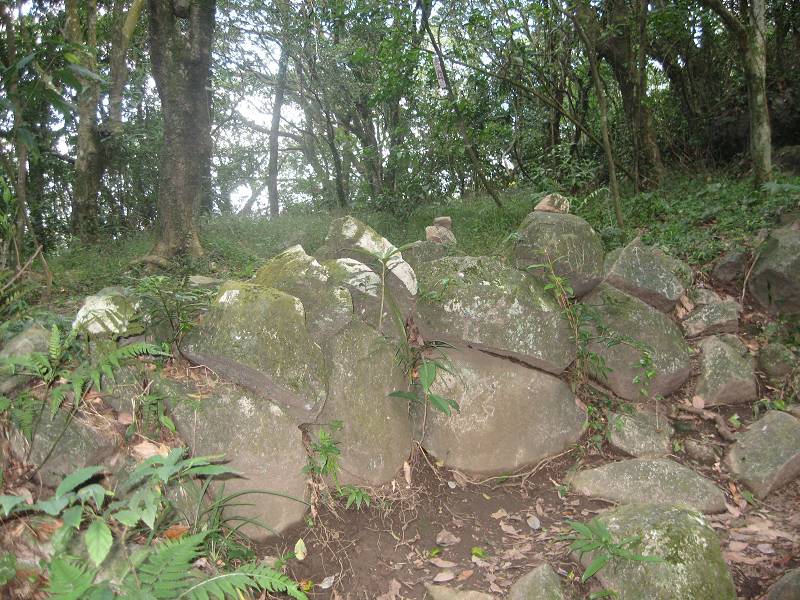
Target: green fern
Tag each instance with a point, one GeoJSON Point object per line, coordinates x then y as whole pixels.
{"type": "Point", "coordinates": [167, 571]}
{"type": "Point", "coordinates": [69, 580]}
{"type": "Point", "coordinates": [247, 578]}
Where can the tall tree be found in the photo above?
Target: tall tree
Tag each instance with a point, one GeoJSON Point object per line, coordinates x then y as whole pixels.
{"type": "Point", "coordinates": [749, 29]}
{"type": "Point", "coordinates": [181, 36]}
{"type": "Point", "coordinates": [274, 132]}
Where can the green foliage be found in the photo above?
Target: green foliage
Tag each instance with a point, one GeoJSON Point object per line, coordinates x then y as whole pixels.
{"type": "Point", "coordinates": [354, 495]}
{"type": "Point", "coordinates": [171, 307]}
{"type": "Point", "coordinates": [595, 538]}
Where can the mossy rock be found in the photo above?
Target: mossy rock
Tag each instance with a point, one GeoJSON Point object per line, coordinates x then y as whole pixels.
{"type": "Point", "coordinates": [569, 242]}
{"type": "Point", "coordinates": [375, 437]}
{"type": "Point", "coordinates": [108, 313]}
{"type": "Point", "coordinates": [642, 434]}
{"type": "Point", "coordinates": [510, 415]}
{"type": "Point", "coordinates": [257, 337]}
{"type": "Point", "coordinates": [540, 584]}
{"type": "Point", "coordinates": [691, 566]}
{"type": "Point", "coordinates": [423, 251]}
{"type": "Point", "coordinates": [492, 306]}
{"type": "Point", "coordinates": [775, 278]}
{"type": "Point", "coordinates": [713, 317]}
{"type": "Point", "coordinates": [777, 361]}
{"type": "Point", "coordinates": [328, 307]}
{"type": "Point", "coordinates": [640, 328]}
{"type": "Point", "coordinates": [33, 338]}
{"type": "Point", "coordinates": [649, 274]}
{"type": "Point", "coordinates": [726, 372]}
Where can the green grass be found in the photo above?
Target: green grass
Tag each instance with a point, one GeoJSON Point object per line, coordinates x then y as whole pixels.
{"type": "Point", "coordinates": [695, 218]}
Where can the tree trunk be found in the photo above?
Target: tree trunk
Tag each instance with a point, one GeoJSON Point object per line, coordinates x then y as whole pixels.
{"type": "Point", "coordinates": [274, 130]}
{"type": "Point", "coordinates": [181, 38]}
{"type": "Point", "coordinates": [755, 68]}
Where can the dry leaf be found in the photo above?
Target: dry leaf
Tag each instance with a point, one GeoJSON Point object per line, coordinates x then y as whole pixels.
{"type": "Point", "coordinates": [407, 472]}
{"type": "Point", "coordinates": [175, 532]}
{"type": "Point", "coordinates": [144, 450]}
{"type": "Point", "coordinates": [445, 538]}
{"type": "Point", "coordinates": [737, 546]}
{"type": "Point", "coordinates": [300, 550]}
{"type": "Point", "coordinates": [733, 510]}
{"type": "Point", "coordinates": [442, 563]}
{"type": "Point", "coordinates": [392, 594]}
{"type": "Point", "coordinates": [464, 575]}
{"type": "Point", "coordinates": [698, 402]}
{"type": "Point", "coordinates": [765, 549]}
{"type": "Point", "coordinates": [534, 522]}
{"type": "Point", "coordinates": [327, 583]}
{"type": "Point", "coordinates": [444, 576]}
{"type": "Point", "coordinates": [509, 529]}
{"type": "Point", "coordinates": [500, 514]}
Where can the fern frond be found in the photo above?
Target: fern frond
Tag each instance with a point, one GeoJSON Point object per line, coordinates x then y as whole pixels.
{"type": "Point", "coordinates": [247, 578]}
{"type": "Point", "coordinates": [167, 570]}
{"type": "Point", "coordinates": [54, 348]}
{"type": "Point", "coordinates": [69, 580]}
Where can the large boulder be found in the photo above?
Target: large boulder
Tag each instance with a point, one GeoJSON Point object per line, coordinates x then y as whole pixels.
{"type": "Point", "coordinates": [713, 317]}
{"type": "Point", "coordinates": [726, 372]}
{"type": "Point", "coordinates": [640, 433]}
{"type": "Point", "coordinates": [257, 337]}
{"type": "Point", "coordinates": [328, 307]}
{"type": "Point", "coordinates": [423, 251]}
{"type": "Point", "coordinates": [767, 455]}
{"type": "Point", "coordinates": [540, 584]}
{"type": "Point", "coordinates": [510, 415]}
{"type": "Point", "coordinates": [657, 481]}
{"type": "Point", "coordinates": [109, 312]}
{"type": "Point", "coordinates": [639, 328]}
{"type": "Point", "coordinates": [692, 566]}
{"type": "Point", "coordinates": [494, 307]}
{"type": "Point", "coordinates": [261, 442]}
{"type": "Point", "coordinates": [439, 235]}
{"type": "Point", "coordinates": [33, 338]}
{"type": "Point", "coordinates": [775, 279]}
{"type": "Point", "coordinates": [376, 430]}
{"type": "Point", "coordinates": [567, 241]}
{"type": "Point", "coordinates": [786, 588]}
{"type": "Point", "coordinates": [649, 274]}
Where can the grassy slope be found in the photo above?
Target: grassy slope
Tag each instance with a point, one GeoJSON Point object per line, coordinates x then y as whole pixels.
{"type": "Point", "coordinates": [694, 218]}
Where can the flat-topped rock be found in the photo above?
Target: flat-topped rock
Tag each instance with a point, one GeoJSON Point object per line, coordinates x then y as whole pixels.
{"type": "Point", "coordinates": [648, 274]}
{"type": "Point", "coordinates": [443, 221]}
{"type": "Point", "coordinates": [775, 279]}
{"type": "Point", "coordinates": [656, 481]}
{"type": "Point", "coordinates": [692, 565]}
{"type": "Point", "coordinates": [328, 307]}
{"type": "Point", "coordinates": [643, 328]}
{"type": "Point", "coordinates": [439, 235]}
{"type": "Point", "coordinates": [767, 455]}
{"type": "Point", "coordinates": [375, 437]}
{"type": "Point", "coordinates": [714, 317]}
{"type": "Point", "coordinates": [540, 584]}
{"type": "Point", "coordinates": [726, 372]}
{"type": "Point", "coordinates": [510, 415]}
{"type": "Point", "coordinates": [555, 203]}
{"type": "Point", "coordinates": [642, 434]}
{"type": "Point", "coordinates": [489, 305]}
{"type": "Point", "coordinates": [256, 337]}
{"type": "Point", "coordinates": [569, 242]}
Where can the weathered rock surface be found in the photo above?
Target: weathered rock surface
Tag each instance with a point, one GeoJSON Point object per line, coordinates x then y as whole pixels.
{"type": "Point", "coordinates": [630, 318]}
{"type": "Point", "coordinates": [642, 434]}
{"type": "Point", "coordinates": [328, 307]}
{"type": "Point", "coordinates": [648, 274]}
{"type": "Point", "coordinates": [700, 296]}
{"type": "Point", "coordinates": [553, 203]}
{"type": "Point", "coordinates": [423, 251]}
{"type": "Point", "coordinates": [692, 567]}
{"type": "Point", "coordinates": [540, 584]}
{"type": "Point", "coordinates": [108, 312]}
{"type": "Point", "coordinates": [441, 592]}
{"type": "Point", "coordinates": [257, 337]}
{"type": "Point", "coordinates": [33, 338]}
{"type": "Point", "coordinates": [376, 430]}
{"type": "Point", "coordinates": [786, 588]}
{"type": "Point", "coordinates": [443, 221]}
{"type": "Point", "coordinates": [569, 242]}
{"type": "Point", "coordinates": [767, 455]}
{"type": "Point", "coordinates": [656, 481]}
{"type": "Point", "coordinates": [494, 307]}
{"type": "Point", "coordinates": [510, 415]}
{"type": "Point", "coordinates": [439, 235]}
{"type": "Point", "coordinates": [714, 317]}
{"type": "Point", "coordinates": [775, 279]}
{"type": "Point", "coordinates": [261, 442]}
{"type": "Point", "coordinates": [701, 452]}
{"type": "Point", "coordinates": [730, 267]}
{"type": "Point", "coordinates": [201, 281]}
{"type": "Point", "coordinates": [726, 372]}
{"type": "Point", "coordinates": [776, 361]}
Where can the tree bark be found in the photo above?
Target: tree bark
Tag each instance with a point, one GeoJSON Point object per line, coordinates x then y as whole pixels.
{"type": "Point", "coordinates": [274, 131]}
{"type": "Point", "coordinates": [181, 38]}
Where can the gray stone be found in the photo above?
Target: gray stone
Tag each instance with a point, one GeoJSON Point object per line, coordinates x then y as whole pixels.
{"type": "Point", "coordinates": [444, 221]}
{"type": "Point", "coordinates": [776, 361]}
{"type": "Point", "coordinates": [33, 338]}
{"type": "Point", "coordinates": [692, 565]}
{"type": "Point", "coordinates": [423, 251]}
{"type": "Point", "coordinates": [568, 242]}
{"type": "Point", "coordinates": [786, 588]}
{"type": "Point", "coordinates": [726, 372]}
{"type": "Point", "coordinates": [717, 317]}
{"type": "Point", "coordinates": [648, 274]}
{"type": "Point", "coordinates": [642, 433]}
{"type": "Point", "coordinates": [256, 337]}
{"type": "Point", "coordinates": [700, 296]}
{"type": "Point", "coordinates": [702, 453]}
{"type": "Point", "coordinates": [441, 592]}
{"type": "Point", "coordinates": [656, 481]}
{"type": "Point", "coordinates": [643, 327]}
{"type": "Point", "coordinates": [787, 159]}
{"type": "Point", "coordinates": [767, 455]}
{"type": "Point", "coordinates": [109, 312]}
{"type": "Point", "coordinates": [510, 415]}
{"type": "Point", "coordinates": [540, 584]}
{"type": "Point", "coordinates": [775, 279]}
{"type": "Point", "coordinates": [201, 281]}
{"type": "Point", "coordinates": [439, 235]}
{"type": "Point", "coordinates": [261, 442]}
{"type": "Point", "coordinates": [494, 307]}
{"type": "Point", "coordinates": [328, 307]}
{"type": "Point", "coordinates": [730, 267]}
{"type": "Point", "coordinates": [376, 434]}
{"type": "Point", "coordinates": [553, 203]}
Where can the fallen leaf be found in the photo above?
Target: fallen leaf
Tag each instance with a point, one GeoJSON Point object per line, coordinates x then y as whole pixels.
{"type": "Point", "coordinates": [509, 529]}
{"type": "Point", "coordinates": [300, 550]}
{"type": "Point", "coordinates": [452, 485]}
{"type": "Point", "coordinates": [145, 449]}
{"type": "Point", "coordinates": [446, 538]}
{"type": "Point", "coordinates": [464, 575]}
{"type": "Point", "coordinates": [698, 402]}
{"type": "Point", "coordinates": [534, 522]}
{"type": "Point", "coordinates": [327, 583]}
{"type": "Point", "coordinates": [392, 594]}
{"type": "Point", "coordinates": [442, 563]}
{"type": "Point", "coordinates": [499, 514]}
{"type": "Point", "coordinates": [444, 576]}
{"type": "Point", "coordinates": [765, 549]}
{"type": "Point", "coordinates": [407, 472]}
{"type": "Point", "coordinates": [737, 546]}
{"type": "Point", "coordinates": [125, 418]}
{"type": "Point", "coordinates": [733, 510]}
{"type": "Point", "coordinates": [175, 532]}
